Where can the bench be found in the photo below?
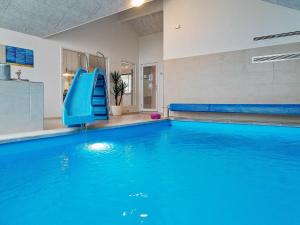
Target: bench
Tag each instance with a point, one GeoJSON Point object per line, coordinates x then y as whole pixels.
{"type": "Point", "coordinates": [269, 109]}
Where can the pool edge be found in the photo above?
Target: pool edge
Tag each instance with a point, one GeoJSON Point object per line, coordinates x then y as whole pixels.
{"type": "Point", "coordinates": [27, 136]}
{"type": "Point", "coordinates": [182, 119]}
{"type": "Point", "coordinates": [19, 137]}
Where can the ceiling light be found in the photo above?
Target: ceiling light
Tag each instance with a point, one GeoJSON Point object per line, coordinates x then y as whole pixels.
{"type": "Point", "coordinates": [137, 3]}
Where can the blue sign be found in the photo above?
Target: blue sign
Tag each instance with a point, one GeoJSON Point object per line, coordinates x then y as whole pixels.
{"type": "Point", "coordinates": [19, 56]}
{"type": "Point", "coordinates": [10, 54]}
{"type": "Point", "coordinates": [29, 58]}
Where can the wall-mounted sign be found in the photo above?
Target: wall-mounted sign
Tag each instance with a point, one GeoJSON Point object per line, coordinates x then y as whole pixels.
{"type": "Point", "coordinates": [19, 56]}
{"type": "Point", "coordinates": [2, 54]}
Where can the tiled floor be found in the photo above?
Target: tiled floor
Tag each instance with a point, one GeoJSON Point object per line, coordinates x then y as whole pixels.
{"type": "Point", "coordinates": [50, 124]}
{"type": "Point", "coordinates": [53, 127]}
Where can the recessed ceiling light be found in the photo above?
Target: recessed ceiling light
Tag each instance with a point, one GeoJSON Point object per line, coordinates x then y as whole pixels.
{"type": "Point", "coordinates": [137, 3]}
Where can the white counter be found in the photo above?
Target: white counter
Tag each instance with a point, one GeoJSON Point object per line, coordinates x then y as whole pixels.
{"type": "Point", "coordinates": [21, 106]}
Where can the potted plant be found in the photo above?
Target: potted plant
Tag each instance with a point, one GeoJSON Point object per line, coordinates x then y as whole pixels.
{"type": "Point", "coordinates": [118, 90]}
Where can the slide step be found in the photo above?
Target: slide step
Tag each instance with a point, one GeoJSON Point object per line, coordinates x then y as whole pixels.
{"type": "Point", "coordinates": [99, 110]}
{"type": "Point", "coordinates": [101, 117]}
{"type": "Point", "coordinates": [99, 92]}
{"type": "Point", "coordinates": [99, 101]}
{"type": "Point", "coordinates": [100, 83]}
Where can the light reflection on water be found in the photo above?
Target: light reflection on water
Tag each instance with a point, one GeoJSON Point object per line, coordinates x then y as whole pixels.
{"type": "Point", "coordinates": [98, 147]}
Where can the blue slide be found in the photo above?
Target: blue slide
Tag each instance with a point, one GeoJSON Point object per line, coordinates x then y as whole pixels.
{"type": "Point", "coordinates": [86, 100]}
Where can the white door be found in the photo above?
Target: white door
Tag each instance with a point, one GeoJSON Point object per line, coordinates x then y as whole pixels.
{"type": "Point", "coordinates": [128, 76]}
{"type": "Point", "coordinates": [149, 80]}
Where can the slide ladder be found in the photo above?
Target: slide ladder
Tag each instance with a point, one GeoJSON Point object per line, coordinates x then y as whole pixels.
{"type": "Point", "coordinates": [87, 99]}
{"type": "Point", "coordinates": [100, 99]}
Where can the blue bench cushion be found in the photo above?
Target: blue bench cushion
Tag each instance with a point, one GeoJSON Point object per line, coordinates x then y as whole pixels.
{"type": "Point", "coordinates": [276, 109]}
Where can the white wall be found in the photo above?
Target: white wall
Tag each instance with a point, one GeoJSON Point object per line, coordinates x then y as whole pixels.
{"type": "Point", "coordinates": [116, 40]}
{"type": "Point", "coordinates": [151, 48]}
{"type": "Point", "coordinates": [46, 66]}
{"type": "Point", "coordinates": [151, 51]}
{"type": "Point", "coordinates": [223, 25]}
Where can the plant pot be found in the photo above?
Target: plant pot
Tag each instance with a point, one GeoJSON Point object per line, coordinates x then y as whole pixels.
{"type": "Point", "coordinates": [116, 110]}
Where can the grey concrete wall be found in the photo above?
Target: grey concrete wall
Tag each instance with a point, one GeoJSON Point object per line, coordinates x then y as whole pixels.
{"type": "Point", "coordinates": [232, 78]}
{"type": "Point", "coordinates": [21, 106]}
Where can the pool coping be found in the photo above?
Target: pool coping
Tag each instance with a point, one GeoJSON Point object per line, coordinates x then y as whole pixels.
{"type": "Point", "coordinates": [34, 135]}
{"type": "Point", "coordinates": [236, 122]}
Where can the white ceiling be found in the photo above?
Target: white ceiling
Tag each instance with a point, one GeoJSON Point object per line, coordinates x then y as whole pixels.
{"type": "Point", "coordinates": [148, 24]}
{"type": "Point", "coordinates": [293, 4]}
{"type": "Point", "coordinates": [46, 17]}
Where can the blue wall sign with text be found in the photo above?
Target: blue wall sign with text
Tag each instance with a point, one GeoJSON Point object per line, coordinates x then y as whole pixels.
{"type": "Point", "coordinates": [19, 56]}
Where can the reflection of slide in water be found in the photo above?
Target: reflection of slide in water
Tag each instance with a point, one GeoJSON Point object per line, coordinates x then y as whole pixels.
{"type": "Point", "coordinates": [86, 99]}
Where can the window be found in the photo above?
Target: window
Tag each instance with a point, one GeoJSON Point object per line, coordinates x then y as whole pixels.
{"type": "Point", "coordinates": [127, 71]}
{"type": "Point", "coordinates": [127, 78]}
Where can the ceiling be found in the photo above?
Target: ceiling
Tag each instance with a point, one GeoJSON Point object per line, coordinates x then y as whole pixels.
{"type": "Point", "coordinates": [293, 4]}
{"type": "Point", "coordinates": [148, 24]}
{"type": "Point", "coordinates": [47, 17]}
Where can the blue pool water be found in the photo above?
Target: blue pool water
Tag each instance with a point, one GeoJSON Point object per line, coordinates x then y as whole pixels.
{"type": "Point", "coordinates": [165, 173]}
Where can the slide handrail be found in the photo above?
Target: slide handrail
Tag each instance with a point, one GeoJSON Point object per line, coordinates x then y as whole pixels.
{"type": "Point", "coordinates": [100, 54]}
{"type": "Point", "coordinates": [107, 94]}
{"type": "Point", "coordinates": [95, 74]}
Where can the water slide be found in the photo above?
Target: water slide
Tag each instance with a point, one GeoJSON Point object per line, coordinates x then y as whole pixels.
{"type": "Point", "coordinates": [86, 100]}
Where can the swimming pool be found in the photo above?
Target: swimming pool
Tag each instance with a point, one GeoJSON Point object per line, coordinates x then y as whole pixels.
{"type": "Point", "coordinates": [163, 173]}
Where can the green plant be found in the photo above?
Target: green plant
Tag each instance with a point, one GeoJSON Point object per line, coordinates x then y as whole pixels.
{"type": "Point", "coordinates": [118, 87]}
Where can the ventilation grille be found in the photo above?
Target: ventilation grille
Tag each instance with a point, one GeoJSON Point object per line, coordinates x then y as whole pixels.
{"type": "Point", "coordinates": [276, 58]}
{"type": "Point", "coordinates": [276, 36]}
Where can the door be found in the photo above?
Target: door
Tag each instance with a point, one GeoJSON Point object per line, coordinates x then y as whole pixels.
{"type": "Point", "coordinates": [149, 87]}
{"type": "Point", "coordinates": [128, 76]}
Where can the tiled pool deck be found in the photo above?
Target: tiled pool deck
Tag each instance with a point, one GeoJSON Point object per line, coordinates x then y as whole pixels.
{"type": "Point", "coordinates": [54, 127]}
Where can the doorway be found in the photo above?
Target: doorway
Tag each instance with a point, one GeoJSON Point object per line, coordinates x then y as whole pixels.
{"type": "Point", "coordinates": [149, 87]}
{"type": "Point", "coordinates": [127, 71]}
{"type": "Point", "coordinates": [71, 61]}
